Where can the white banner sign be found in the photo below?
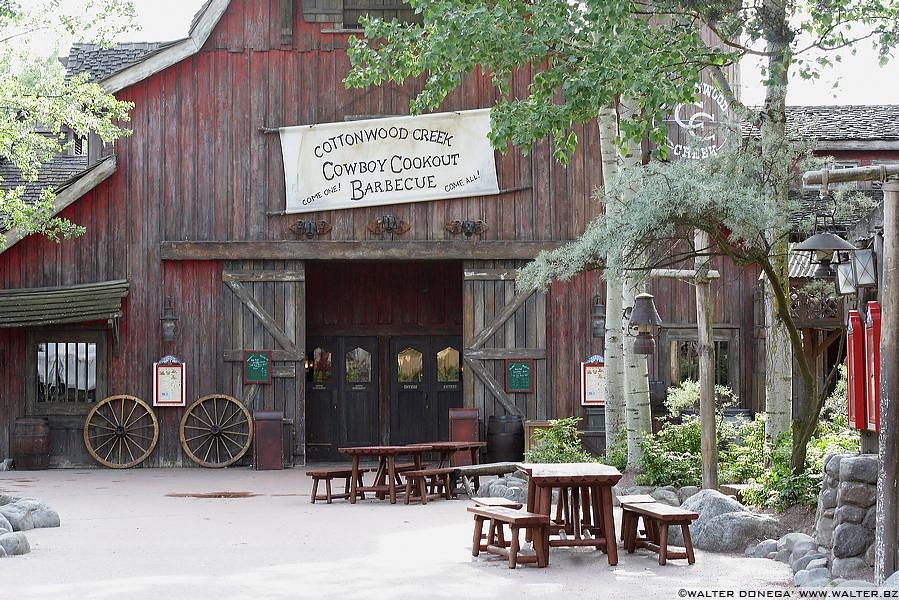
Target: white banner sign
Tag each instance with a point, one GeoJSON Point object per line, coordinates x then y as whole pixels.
{"type": "Point", "coordinates": [388, 161]}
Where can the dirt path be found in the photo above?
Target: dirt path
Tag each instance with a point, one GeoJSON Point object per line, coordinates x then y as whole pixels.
{"type": "Point", "coordinates": [145, 534]}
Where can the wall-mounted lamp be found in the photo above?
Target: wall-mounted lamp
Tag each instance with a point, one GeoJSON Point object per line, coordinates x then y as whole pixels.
{"type": "Point", "coordinates": [598, 317]}
{"type": "Point", "coordinates": [169, 320]}
{"type": "Point", "coordinates": [855, 269]}
{"type": "Point", "coordinates": [388, 224]}
{"type": "Point", "coordinates": [645, 321]}
{"type": "Point", "coordinates": [467, 227]}
{"type": "Point", "coordinates": [822, 246]}
{"type": "Point", "coordinates": [311, 229]}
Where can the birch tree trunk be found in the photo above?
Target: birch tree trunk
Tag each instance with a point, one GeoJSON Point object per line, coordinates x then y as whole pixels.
{"type": "Point", "coordinates": [636, 371]}
{"type": "Point", "coordinates": [706, 347]}
{"type": "Point", "coordinates": [778, 352]}
{"type": "Point", "coordinates": [615, 403]}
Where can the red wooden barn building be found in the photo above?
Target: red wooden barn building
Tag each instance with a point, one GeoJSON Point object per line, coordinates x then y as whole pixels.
{"type": "Point", "coordinates": [358, 325]}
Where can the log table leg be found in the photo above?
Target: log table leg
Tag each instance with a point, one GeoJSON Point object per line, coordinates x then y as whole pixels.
{"type": "Point", "coordinates": [391, 477]}
{"type": "Point", "coordinates": [608, 521]}
{"type": "Point", "coordinates": [354, 485]}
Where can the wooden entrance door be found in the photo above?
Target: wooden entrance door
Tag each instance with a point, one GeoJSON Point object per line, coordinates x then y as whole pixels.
{"type": "Point", "coordinates": [425, 382]}
{"type": "Point", "coordinates": [342, 395]}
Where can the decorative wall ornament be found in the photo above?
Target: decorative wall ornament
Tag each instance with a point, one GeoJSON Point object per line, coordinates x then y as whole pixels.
{"type": "Point", "coordinates": [388, 224]}
{"type": "Point", "coordinates": [311, 229]}
{"type": "Point", "coordinates": [467, 227]}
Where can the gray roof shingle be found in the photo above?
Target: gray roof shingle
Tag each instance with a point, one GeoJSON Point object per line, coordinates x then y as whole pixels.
{"type": "Point", "coordinates": [52, 174]}
{"type": "Point", "coordinates": [840, 123]}
{"type": "Point", "coordinates": [102, 62]}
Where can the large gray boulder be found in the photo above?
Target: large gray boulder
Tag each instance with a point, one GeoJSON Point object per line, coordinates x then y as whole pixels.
{"type": "Point", "coordinates": [668, 497]}
{"type": "Point", "coordinates": [5, 525]}
{"type": "Point", "coordinates": [851, 540]}
{"type": "Point", "coordinates": [26, 513]}
{"type": "Point", "coordinates": [859, 468]}
{"type": "Point", "coordinates": [6, 464]}
{"type": "Point", "coordinates": [848, 567]}
{"type": "Point", "coordinates": [892, 581]}
{"type": "Point", "coordinates": [688, 491]}
{"type": "Point", "coordinates": [802, 563]}
{"type": "Point", "coordinates": [762, 549]}
{"type": "Point", "coordinates": [812, 578]}
{"type": "Point", "coordinates": [790, 540]}
{"type": "Point", "coordinates": [708, 504]}
{"type": "Point", "coordinates": [850, 514]}
{"type": "Point", "coordinates": [733, 531]}
{"type": "Point", "coordinates": [860, 494]}
{"type": "Point", "coordinates": [14, 543]}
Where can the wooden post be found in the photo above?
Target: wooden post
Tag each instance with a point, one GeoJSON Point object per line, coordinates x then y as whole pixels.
{"type": "Point", "coordinates": [706, 349]}
{"type": "Point", "coordinates": [886, 531]}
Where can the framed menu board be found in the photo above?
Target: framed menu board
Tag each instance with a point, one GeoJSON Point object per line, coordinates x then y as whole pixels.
{"type": "Point", "coordinates": [520, 375]}
{"type": "Point", "coordinates": [168, 382]}
{"type": "Point", "coordinates": [257, 366]}
{"type": "Point", "coordinates": [593, 384]}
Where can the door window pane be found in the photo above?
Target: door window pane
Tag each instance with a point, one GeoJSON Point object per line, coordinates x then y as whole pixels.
{"type": "Point", "coordinates": [409, 366]}
{"type": "Point", "coordinates": [358, 366]}
{"type": "Point", "coordinates": [685, 361]}
{"type": "Point", "coordinates": [448, 365]}
{"type": "Point", "coordinates": [322, 369]}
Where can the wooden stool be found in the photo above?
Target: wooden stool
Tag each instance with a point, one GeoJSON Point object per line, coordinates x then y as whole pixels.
{"type": "Point", "coordinates": [657, 517]}
{"type": "Point", "coordinates": [534, 523]}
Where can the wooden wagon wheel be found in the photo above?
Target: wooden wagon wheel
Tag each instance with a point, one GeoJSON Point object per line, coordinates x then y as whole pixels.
{"type": "Point", "coordinates": [120, 431]}
{"type": "Point", "coordinates": [216, 431]}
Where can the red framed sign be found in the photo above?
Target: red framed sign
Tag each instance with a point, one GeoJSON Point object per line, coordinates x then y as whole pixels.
{"type": "Point", "coordinates": [593, 384]}
{"type": "Point", "coordinates": [168, 382]}
{"type": "Point", "coordinates": [855, 371]}
{"type": "Point", "coordinates": [872, 365]}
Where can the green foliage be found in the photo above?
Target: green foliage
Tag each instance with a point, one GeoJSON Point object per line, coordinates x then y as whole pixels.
{"type": "Point", "coordinates": [36, 95]}
{"type": "Point", "coordinates": [673, 455]}
{"type": "Point", "coordinates": [582, 55]}
{"type": "Point", "coordinates": [779, 488]}
{"type": "Point", "coordinates": [558, 443]}
{"type": "Point", "coordinates": [616, 452]}
{"type": "Point", "coordinates": [685, 396]}
{"type": "Point", "coordinates": [745, 454]}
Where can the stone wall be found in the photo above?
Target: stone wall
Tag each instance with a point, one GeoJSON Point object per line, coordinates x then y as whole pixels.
{"type": "Point", "coordinates": [844, 523]}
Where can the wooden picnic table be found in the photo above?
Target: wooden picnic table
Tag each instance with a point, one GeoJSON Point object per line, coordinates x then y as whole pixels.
{"type": "Point", "coordinates": [385, 476]}
{"type": "Point", "coordinates": [447, 449]}
{"type": "Point", "coordinates": [585, 493]}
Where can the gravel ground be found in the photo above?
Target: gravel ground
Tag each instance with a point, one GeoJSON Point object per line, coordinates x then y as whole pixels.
{"type": "Point", "coordinates": [149, 534]}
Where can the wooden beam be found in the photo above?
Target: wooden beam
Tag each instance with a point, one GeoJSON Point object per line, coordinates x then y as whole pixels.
{"type": "Point", "coordinates": [503, 353]}
{"type": "Point", "coordinates": [263, 276]}
{"type": "Point", "coordinates": [887, 527]}
{"type": "Point", "coordinates": [491, 275]}
{"type": "Point", "coordinates": [829, 340]}
{"type": "Point", "coordinates": [494, 386]}
{"type": "Point", "coordinates": [277, 355]}
{"type": "Point", "coordinates": [682, 274]}
{"type": "Point", "coordinates": [266, 319]}
{"type": "Point", "coordinates": [354, 250]}
{"type": "Point", "coordinates": [491, 328]}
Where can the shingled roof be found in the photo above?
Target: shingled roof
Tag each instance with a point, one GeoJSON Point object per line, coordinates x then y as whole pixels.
{"type": "Point", "coordinates": [102, 62]}
{"type": "Point", "coordinates": [840, 123]}
{"type": "Point", "coordinates": [53, 174]}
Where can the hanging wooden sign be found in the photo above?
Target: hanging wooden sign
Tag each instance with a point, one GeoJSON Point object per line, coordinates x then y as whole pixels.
{"type": "Point", "coordinates": [257, 366]}
{"type": "Point", "coordinates": [520, 375]}
{"type": "Point", "coordinates": [168, 382]}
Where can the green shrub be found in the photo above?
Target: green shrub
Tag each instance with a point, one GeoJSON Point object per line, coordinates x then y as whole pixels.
{"type": "Point", "coordinates": [673, 455]}
{"type": "Point", "coordinates": [616, 452]}
{"type": "Point", "coordinates": [558, 443]}
{"type": "Point", "coordinates": [744, 454]}
{"type": "Point", "coordinates": [685, 397]}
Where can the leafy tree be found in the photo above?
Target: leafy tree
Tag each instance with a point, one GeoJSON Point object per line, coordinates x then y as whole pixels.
{"type": "Point", "coordinates": [39, 102]}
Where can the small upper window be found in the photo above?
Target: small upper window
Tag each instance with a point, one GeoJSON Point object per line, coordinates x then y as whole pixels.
{"type": "Point", "coordinates": [383, 9]}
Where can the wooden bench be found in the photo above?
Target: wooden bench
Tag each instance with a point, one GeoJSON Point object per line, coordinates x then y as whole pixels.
{"type": "Point", "coordinates": [632, 498]}
{"type": "Point", "coordinates": [327, 475]}
{"type": "Point", "coordinates": [429, 483]}
{"type": "Point", "coordinates": [657, 517]}
{"type": "Point", "coordinates": [536, 524]}
{"type": "Point", "coordinates": [496, 529]}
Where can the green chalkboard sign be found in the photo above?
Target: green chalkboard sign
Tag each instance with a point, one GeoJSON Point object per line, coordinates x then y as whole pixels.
{"type": "Point", "coordinates": [520, 375]}
{"type": "Point", "coordinates": [257, 366]}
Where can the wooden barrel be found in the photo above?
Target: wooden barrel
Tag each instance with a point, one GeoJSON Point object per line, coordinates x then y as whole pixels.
{"type": "Point", "coordinates": [505, 438]}
{"type": "Point", "coordinates": [31, 444]}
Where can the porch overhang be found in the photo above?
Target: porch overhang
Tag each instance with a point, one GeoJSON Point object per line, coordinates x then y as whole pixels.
{"type": "Point", "coordinates": [31, 307]}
